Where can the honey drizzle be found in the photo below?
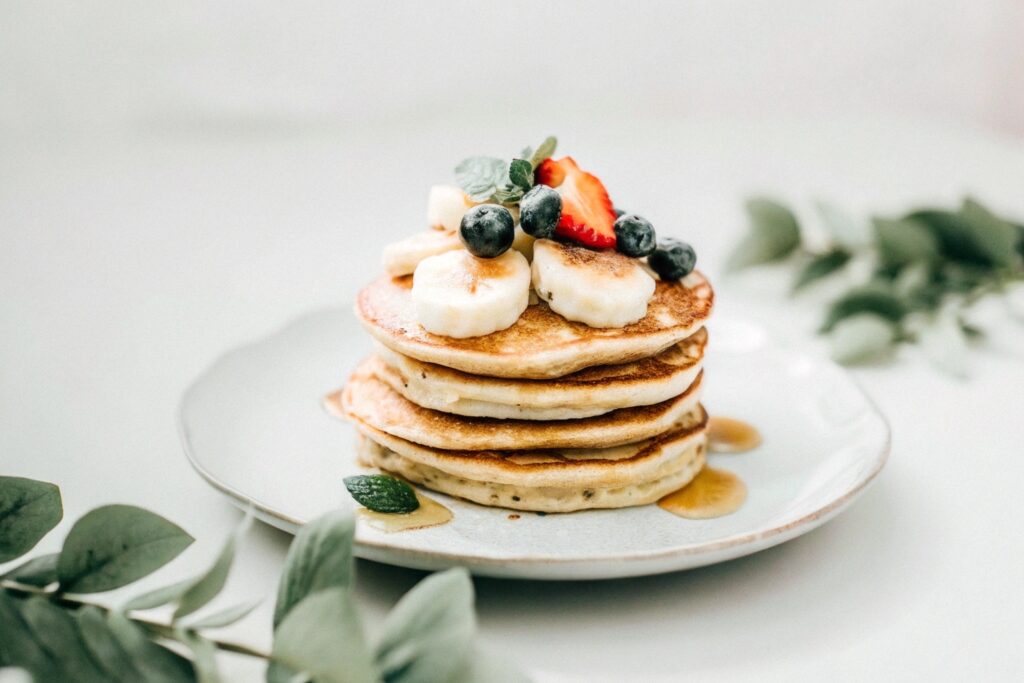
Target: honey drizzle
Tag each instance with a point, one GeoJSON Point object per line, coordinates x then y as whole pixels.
{"type": "Point", "coordinates": [728, 435]}
{"type": "Point", "coordinates": [429, 513]}
{"type": "Point", "coordinates": [712, 493]}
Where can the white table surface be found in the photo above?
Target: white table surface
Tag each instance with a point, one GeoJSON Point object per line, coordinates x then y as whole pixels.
{"type": "Point", "coordinates": [130, 259]}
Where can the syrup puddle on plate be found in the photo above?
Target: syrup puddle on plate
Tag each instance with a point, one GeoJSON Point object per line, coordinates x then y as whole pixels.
{"type": "Point", "coordinates": [728, 435]}
{"type": "Point", "coordinates": [712, 493]}
{"type": "Point", "coordinates": [429, 513]}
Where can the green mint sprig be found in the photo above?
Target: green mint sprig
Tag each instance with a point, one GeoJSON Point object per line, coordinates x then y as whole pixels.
{"type": "Point", "coordinates": [493, 180]}
{"type": "Point", "coordinates": [49, 630]}
{"type": "Point", "coordinates": [382, 493]}
{"type": "Point", "coordinates": [924, 268]}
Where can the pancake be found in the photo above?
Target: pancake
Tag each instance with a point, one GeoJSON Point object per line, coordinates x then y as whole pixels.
{"type": "Point", "coordinates": [369, 400]}
{"type": "Point", "coordinates": [580, 467]}
{"type": "Point", "coordinates": [541, 344]}
{"type": "Point", "coordinates": [688, 462]}
{"type": "Point", "coordinates": [588, 392]}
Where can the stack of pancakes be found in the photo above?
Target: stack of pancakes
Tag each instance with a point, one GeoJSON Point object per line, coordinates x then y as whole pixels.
{"type": "Point", "coordinates": [548, 415]}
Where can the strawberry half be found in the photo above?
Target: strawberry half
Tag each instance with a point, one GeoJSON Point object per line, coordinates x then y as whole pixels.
{"type": "Point", "coordinates": [587, 212]}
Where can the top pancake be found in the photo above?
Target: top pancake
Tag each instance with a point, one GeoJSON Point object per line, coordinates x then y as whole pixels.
{"type": "Point", "coordinates": [541, 344]}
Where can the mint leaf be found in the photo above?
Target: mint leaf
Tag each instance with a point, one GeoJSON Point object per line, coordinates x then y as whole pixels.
{"type": "Point", "coordinates": [774, 234]}
{"type": "Point", "coordinates": [520, 174]}
{"type": "Point", "coordinates": [29, 509]}
{"type": "Point", "coordinates": [382, 493]}
{"type": "Point", "coordinates": [820, 266]}
{"type": "Point", "coordinates": [480, 177]}
{"type": "Point", "coordinates": [114, 545]}
{"type": "Point", "coordinates": [544, 151]}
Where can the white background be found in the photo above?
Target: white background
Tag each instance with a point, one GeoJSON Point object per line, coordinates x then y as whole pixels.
{"type": "Point", "coordinates": [178, 178]}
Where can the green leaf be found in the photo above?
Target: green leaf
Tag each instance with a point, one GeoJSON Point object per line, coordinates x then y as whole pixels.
{"type": "Point", "coordinates": [428, 634]}
{"type": "Point", "coordinates": [114, 545]}
{"type": "Point", "coordinates": [204, 656]}
{"type": "Point", "coordinates": [158, 596]}
{"type": "Point", "coordinates": [103, 645]}
{"type": "Point", "coordinates": [865, 300]}
{"type": "Point", "coordinates": [29, 509]}
{"type": "Point", "coordinates": [861, 337]}
{"type": "Point", "coordinates": [901, 242]}
{"type": "Point", "coordinates": [320, 557]}
{"type": "Point", "coordinates": [820, 266]}
{"type": "Point", "coordinates": [321, 636]}
{"type": "Point", "coordinates": [382, 493]}
{"type": "Point", "coordinates": [993, 237]}
{"type": "Point", "coordinates": [774, 234]}
{"type": "Point", "coordinates": [18, 647]}
{"type": "Point", "coordinates": [206, 586]}
{"type": "Point", "coordinates": [56, 630]}
{"type": "Point", "coordinates": [157, 664]}
{"type": "Point", "coordinates": [844, 230]}
{"type": "Point", "coordinates": [544, 151]}
{"type": "Point", "coordinates": [224, 617]}
{"type": "Point", "coordinates": [484, 666]}
{"type": "Point", "coordinates": [520, 174]}
{"type": "Point", "coordinates": [480, 177]}
{"type": "Point", "coordinates": [39, 571]}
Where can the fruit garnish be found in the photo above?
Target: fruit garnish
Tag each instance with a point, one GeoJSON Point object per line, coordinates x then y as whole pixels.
{"type": "Point", "coordinates": [489, 179]}
{"type": "Point", "coordinates": [673, 259]}
{"type": "Point", "coordinates": [634, 235]}
{"type": "Point", "coordinates": [540, 211]}
{"type": "Point", "coordinates": [587, 212]}
{"type": "Point", "coordinates": [382, 493]}
{"type": "Point", "coordinates": [487, 230]}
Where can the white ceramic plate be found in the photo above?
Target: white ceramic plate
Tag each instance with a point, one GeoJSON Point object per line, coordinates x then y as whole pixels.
{"type": "Point", "coordinates": [254, 428]}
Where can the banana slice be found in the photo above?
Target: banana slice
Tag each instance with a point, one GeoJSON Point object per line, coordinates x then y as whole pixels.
{"type": "Point", "coordinates": [459, 295]}
{"type": "Point", "coordinates": [599, 288]}
{"type": "Point", "coordinates": [446, 205]}
{"type": "Point", "coordinates": [523, 243]}
{"type": "Point", "coordinates": [402, 257]}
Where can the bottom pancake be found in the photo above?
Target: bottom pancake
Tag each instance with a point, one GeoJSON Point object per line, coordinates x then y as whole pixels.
{"type": "Point", "coordinates": [687, 463]}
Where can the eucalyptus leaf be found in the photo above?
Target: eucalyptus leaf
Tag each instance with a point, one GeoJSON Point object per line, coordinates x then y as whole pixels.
{"type": "Point", "coordinates": [158, 596]}
{"type": "Point", "coordinates": [208, 585]}
{"type": "Point", "coordinates": [485, 666]}
{"type": "Point", "coordinates": [157, 664]}
{"type": "Point", "coordinates": [845, 231]}
{"type": "Point", "coordinates": [821, 266]}
{"type": "Point", "coordinates": [114, 545]}
{"type": "Point", "coordinates": [204, 656]}
{"type": "Point", "coordinates": [104, 646]}
{"type": "Point", "coordinates": [224, 617]}
{"type": "Point", "coordinates": [56, 630]}
{"type": "Point", "coordinates": [320, 557]}
{"type": "Point", "coordinates": [901, 242]}
{"type": "Point", "coordinates": [543, 151]}
{"type": "Point", "coordinates": [18, 647]}
{"type": "Point", "coordinates": [428, 634]}
{"type": "Point", "coordinates": [994, 237]}
{"type": "Point", "coordinates": [39, 571]}
{"type": "Point", "coordinates": [321, 636]}
{"type": "Point", "coordinates": [774, 234]}
{"type": "Point", "coordinates": [957, 240]}
{"type": "Point", "coordinates": [865, 300]}
{"type": "Point", "coordinates": [861, 337]}
{"type": "Point", "coordinates": [480, 177]}
{"type": "Point", "coordinates": [944, 344]}
{"type": "Point", "coordinates": [29, 509]}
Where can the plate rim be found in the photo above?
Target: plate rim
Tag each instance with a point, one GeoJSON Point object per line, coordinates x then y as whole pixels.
{"type": "Point", "coordinates": [751, 538]}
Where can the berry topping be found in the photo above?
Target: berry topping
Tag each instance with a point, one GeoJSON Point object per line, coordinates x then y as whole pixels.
{"type": "Point", "coordinates": [634, 236]}
{"type": "Point", "coordinates": [587, 212]}
{"type": "Point", "coordinates": [487, 230]}
{"type": "Point", "coordinates": [673, 259]}
{"type": "Point", "coordinates": [539, 211]}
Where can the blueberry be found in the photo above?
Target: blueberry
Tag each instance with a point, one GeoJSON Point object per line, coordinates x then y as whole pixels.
{"type": "Point", "coordinates": [634, 236]}
{"type": "Point", "coordinates": [673, 259]}
{"type": "Point", "coordinates": [539, 211]}
{"type": "Point", "coordinates": [487, 230]}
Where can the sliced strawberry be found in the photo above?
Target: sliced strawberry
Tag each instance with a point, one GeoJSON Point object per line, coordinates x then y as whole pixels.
{"type": "Point", "coordinates": [587, 212]}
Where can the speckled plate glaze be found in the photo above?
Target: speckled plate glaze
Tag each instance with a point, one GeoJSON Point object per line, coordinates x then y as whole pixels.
{"type": "Point", "coordinates": [253, 427]}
